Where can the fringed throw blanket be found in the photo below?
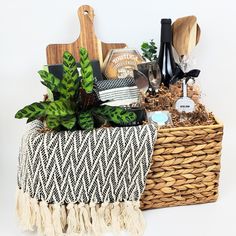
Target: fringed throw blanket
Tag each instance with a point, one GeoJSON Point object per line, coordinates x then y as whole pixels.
{"type": "Point", "coordinates": [77, 183]}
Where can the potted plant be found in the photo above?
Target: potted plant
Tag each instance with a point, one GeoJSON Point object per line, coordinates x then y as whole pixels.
{"type": "Point", "coordinates": [75, 104]}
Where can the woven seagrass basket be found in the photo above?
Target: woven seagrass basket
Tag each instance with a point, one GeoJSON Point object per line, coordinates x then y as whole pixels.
{"type": "Point", "coordinates": [185, 168]}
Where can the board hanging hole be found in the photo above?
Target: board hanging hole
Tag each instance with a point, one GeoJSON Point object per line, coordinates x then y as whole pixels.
{"type": "Point", "coordinates": [86, 12]}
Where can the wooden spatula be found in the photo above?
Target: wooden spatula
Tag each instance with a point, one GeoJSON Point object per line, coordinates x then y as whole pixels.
{"type": "Point", "coordinates": [87, 39]}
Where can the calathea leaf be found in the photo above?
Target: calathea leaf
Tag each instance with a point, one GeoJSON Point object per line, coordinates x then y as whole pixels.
{"type": "Point", "coordinates": [86, 120]}
{"type": "Point", "coordinates": [68, 121]}
{"type": "Point", "coordinates": [60, 107]}
{"type": "Point", "coordinates": [86, 71]}
{"type": "Point", "coordinates": [117, 115]}
{"type": "Point", "coordinates": [70, 81]}
{"type": "Point", "coordinates": [52, 122]}
{"type": "Point", "coordinates": [49, 80]}
{"type": "Point", "coordinates": [29, 120]}
{"type": "Point", "coordinates": [33, 111]}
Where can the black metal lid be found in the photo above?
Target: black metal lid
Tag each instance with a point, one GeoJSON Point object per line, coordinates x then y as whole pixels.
{"type": "Point", "coordinates": [166, 21]}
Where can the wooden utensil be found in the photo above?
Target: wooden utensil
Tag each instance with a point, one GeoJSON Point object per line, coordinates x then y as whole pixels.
{"type": "Point", "coordinates": [87, 39]}
{"type": "Point", "coordinates": [186, 35]}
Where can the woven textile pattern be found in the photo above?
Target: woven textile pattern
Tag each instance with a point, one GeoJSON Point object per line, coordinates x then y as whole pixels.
{"type": "Point", "coordinates": [103, 165]}
{"type": "Point", "coordinates": [117, 83]}
{"type": "Point", "coordinates": [117, 89]}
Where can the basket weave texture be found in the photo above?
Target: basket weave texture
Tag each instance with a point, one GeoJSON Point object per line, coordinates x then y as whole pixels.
{"type": "Point", "coordinates": [185, 168]}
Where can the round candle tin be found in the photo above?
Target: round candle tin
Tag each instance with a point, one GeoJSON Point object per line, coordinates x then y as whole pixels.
{"type": "Point", "coordinates": [159, 118]}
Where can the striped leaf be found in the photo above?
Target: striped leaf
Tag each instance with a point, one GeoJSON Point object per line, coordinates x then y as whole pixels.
{"type": "Point", "coordinates": [49, 80]}
{"type": "Point", "coordinates": [33, 111]}
{"type": "Point", "coordinates": [29, 120]}
{"type": "Point", "coordinates": [86, 71]}
{"type": "Point", "coordinates": [86, 120]}
{"type": "Point", "coordinates": [59, 108]}
{"type": "Point", "coordinates": [68, 121]}
{"type": "Point", "coordinates": [118, 115]}
{"type": "Point", "coordinates": [52, 122]}
{"type": "Point", "coordinates": [70, 81]}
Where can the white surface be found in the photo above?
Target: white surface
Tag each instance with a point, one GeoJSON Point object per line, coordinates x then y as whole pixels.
{"type": "Point", "coordinates": [27, 26]}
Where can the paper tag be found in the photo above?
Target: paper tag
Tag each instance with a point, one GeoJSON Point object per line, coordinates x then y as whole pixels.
{"type": "Point", "coordinates": [185, 104]}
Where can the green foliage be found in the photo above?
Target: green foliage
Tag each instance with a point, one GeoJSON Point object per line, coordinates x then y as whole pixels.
{"type": "Point", "coordinates": [149, 50]}
{"type": "Point", "coordinates": [116, 115]}
{"type": "Point", "coordinates": [86, 120]}
{"type": "Point", "coordinates": [77, 105]}
{"type": "Point", "coordinates": [60, 107]}
{"type": "Point", "coordinates": [53, 122]}
{"type": "Point", "coordinates": [68, 121]}
{"type": "Point", "coordinates": [49, 80]}
{"type": "Point", "coordinates": [70, 81]}
{"type": "Point", "coordinates": [86, 71]}
{"type": "Point", "coordinates": [33, 111]}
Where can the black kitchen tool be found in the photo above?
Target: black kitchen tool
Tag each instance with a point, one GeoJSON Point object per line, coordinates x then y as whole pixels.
{"type": "Point", "coordinates": [57, 70]}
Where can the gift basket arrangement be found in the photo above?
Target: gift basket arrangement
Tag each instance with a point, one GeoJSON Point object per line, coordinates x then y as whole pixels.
{"type": "Point", "coordinates": [118, 132]}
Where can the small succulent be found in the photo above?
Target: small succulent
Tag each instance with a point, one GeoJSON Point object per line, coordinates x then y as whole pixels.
{"type": "Point", "coordinates": [149, 50]}
{"type": "Point", "coordinates": [75, 103]}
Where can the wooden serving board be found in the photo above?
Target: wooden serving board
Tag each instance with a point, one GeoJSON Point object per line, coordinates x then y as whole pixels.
{"type": "Point", "coordinates": [87, 39]}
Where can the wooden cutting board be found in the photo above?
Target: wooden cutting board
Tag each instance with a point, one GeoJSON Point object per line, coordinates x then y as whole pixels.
{"type": "Point", "coordinates": [87, 39]}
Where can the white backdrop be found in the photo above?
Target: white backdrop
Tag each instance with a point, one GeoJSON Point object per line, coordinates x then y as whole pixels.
{"type": "Point", "coordinates": [27, 26]}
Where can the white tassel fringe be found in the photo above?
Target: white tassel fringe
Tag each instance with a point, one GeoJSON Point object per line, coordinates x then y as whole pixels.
{"type": "Point", "coordinates": [79, 219]}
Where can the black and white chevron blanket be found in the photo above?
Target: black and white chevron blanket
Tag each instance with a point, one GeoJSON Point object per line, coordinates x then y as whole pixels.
{"type": "Point", "coordinates": [83, 181]}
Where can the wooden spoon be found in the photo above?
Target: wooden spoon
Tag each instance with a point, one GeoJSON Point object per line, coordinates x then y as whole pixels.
{"type": "Point", "coordinates": [186, 35]}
